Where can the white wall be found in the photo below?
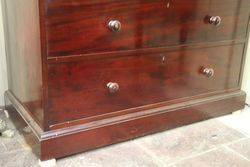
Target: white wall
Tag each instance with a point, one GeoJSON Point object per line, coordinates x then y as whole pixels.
{"type": "Point", "coordinates": [3, 73]}
{"type": "Point", "coordinates": [246, 77]}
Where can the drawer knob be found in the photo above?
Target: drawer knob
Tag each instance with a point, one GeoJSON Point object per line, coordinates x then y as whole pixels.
{"type": "Point", "coordinates": [115, 25]}
{"type": "Point", "coordinates": [113, 87]}
{"type": "Point", "coordinates": [208, 72]}
{"type": "Point", "coordinates": [215, 20]}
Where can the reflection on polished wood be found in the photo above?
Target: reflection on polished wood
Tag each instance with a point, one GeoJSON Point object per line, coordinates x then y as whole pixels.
{"type": "Point", "coordinates": [81, 27]}
{"type": "Point", "coordinates": [89, 73]}
{"type": "Point", "coordinates": [143, 79]}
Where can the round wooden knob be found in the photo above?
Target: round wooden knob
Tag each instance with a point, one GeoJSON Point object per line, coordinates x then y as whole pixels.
{"type": "Point", "coordinates": [215, 20]}
{"type": "Point", "coordinates": [208, 72]}
{"type": "Point", "coordinates": [113, 87]}
{"type": "Point", "coordinates": [115, 25]}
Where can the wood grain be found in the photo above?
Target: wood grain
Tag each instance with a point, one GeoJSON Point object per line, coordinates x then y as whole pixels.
{"type": "Point", "coordinates": [79, 27]}
{"type": "Point", "coordinates": [78, 89]}
{"type": "Point", "coordinates": [61, 55]}
{"type": "Point", "coordinates": [106, 134]}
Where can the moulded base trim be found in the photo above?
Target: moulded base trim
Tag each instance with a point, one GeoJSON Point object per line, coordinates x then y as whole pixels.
{"type": "Point", "coordinates": [75, 139]}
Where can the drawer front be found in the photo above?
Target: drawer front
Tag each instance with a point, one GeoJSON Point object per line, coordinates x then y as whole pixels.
{"type": "Point", "coordinates": [99, 86]}
{"type": "Point", "coordinates": [81, 27]}
{"type": "Point", "coordinates": [234, 16]}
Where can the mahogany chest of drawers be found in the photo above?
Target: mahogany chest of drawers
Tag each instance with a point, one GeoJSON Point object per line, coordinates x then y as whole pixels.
{"type": "Point", "coordinates": [89, 73]}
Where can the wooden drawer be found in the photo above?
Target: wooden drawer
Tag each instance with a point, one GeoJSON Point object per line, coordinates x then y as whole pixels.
{"type": "Point", "coordinates": [234, 15]}
{"type": "Point", "coordinates": [78, 89]}
{"type": "Point", "coordinates": [80, 27]}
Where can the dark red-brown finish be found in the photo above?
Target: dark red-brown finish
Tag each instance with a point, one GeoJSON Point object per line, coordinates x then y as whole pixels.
{"type": "Point", "coordinates": [79, 27]}
{"type": "Point", "coordinates": [125, 130]}
{"type": "Point", "coordinates": [80, 85]}
{"type": "Point", "coordinates": [77, 89]}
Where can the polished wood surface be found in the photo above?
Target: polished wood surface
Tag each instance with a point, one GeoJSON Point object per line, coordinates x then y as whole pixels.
{"type": "Point", "coordinates": [85, 70]}
{"type": "Point", "coordinates": [78, 27]}
{"type": "Point", "coordinates": [102, 134]}
{"type": "Point", "coordinates": [24, 54]}
{"type": "Point", "coordinates": [78, 89]}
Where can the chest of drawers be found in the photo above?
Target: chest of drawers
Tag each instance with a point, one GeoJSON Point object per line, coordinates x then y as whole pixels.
{"type": "Point", "coordinates": [85, 74]}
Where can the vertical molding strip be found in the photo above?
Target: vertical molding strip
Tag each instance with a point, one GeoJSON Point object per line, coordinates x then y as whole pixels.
{"type": "Point", "coordinates": [3, 68]}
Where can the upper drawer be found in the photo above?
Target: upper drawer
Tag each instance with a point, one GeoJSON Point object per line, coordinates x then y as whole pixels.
{"type": "Point", "coordinates": [81, 26]}
{"type": "Point", "coordinates": [234, 15]}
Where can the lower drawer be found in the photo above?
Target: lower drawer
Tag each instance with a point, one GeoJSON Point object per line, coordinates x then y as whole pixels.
{"type": "Point", "coordinates": [85, 88]}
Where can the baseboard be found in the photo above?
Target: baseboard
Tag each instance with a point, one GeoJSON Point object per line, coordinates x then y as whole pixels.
{"type": "Point", "coordinates": [66, 141]}
{"type": "Point", "coordinates": [24, 113]}
{"type": "Point", "coordinates": [88, 139]}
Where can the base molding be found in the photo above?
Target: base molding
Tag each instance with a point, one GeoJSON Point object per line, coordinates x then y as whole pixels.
{"type": "Point", "coordinates": [75, 139]}
{"type": "Point", "coordinates": [24, 113]}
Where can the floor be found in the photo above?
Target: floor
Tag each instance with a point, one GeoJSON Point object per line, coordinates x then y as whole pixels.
{"type": "Point", "coordinates": [221, 142]}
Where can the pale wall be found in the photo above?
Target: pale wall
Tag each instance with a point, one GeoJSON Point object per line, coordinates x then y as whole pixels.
{"type": "Point", "coordinates": [3, 73]}
{"type": "Point", "coordinates": [246, 77]}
